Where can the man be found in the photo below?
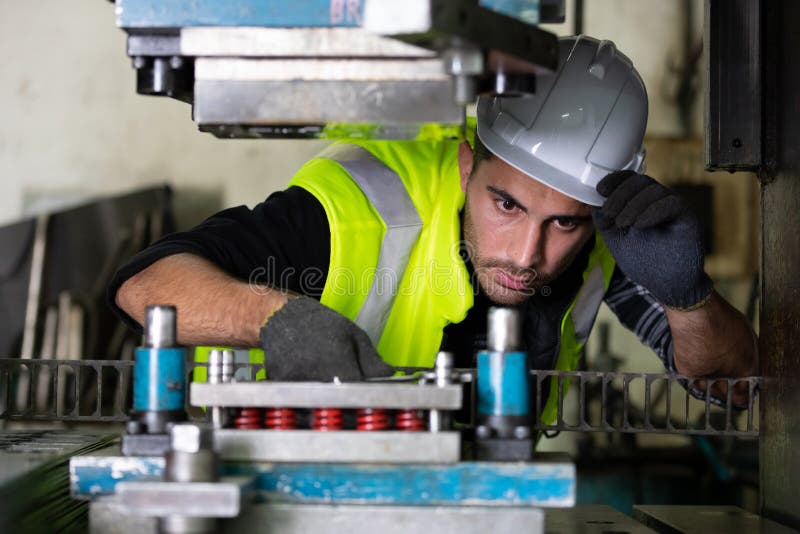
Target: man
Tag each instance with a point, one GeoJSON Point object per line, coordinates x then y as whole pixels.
{"type": "Point", "coordinates": [407, 244]}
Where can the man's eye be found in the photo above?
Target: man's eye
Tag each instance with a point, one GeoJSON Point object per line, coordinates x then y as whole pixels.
{"type": "Point", "coordinates": [506, 205]}
{"type": "Point", "coordinates": [565, 224]}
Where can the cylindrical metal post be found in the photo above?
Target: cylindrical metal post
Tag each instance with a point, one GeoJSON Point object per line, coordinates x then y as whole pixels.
{"type": "Point", "coordinates": [504, 330]}
{"type": "Point", "coordinates": [439, 420]}
{"type": "Point", "coordinates": [159, 374]}
{"type": "Point", "coordinates": [220, 371]}
{"type": "Point", "coordinates": [160, 327]}
{"type": "Point", "coordinates": [503, 397]}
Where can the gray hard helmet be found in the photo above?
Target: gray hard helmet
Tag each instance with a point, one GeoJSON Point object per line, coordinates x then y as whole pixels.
{"type": "Point", "coordinates": [585, 121]}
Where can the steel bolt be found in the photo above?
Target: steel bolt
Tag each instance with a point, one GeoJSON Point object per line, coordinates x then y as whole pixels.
{"type": "Point", "coordinates": [139, 62]}
{"type": "Point", "coordinates": [483, 432]}
{"type": "Point", "coordinates": [134, 427]}
{"type": "Point", "coordinates": [522, 432]}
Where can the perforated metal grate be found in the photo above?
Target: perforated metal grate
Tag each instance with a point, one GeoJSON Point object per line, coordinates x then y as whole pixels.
{"type": "Point", "coordinates": [586, 401]}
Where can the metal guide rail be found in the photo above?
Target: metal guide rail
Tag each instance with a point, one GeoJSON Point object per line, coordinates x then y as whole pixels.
{"type": "Point", "coordinates": [590, 401]}
{"type": "Point", "coordinates": [586, 401]}
{"type": "Point", "coordinates": [65, 390]}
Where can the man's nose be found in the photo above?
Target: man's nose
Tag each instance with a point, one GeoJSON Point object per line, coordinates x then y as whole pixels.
{"type": "Point", "coordinates": [525, 249]}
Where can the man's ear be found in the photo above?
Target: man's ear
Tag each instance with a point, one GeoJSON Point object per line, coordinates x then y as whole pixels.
{"type": "Point", "coordinates": [465, 160]}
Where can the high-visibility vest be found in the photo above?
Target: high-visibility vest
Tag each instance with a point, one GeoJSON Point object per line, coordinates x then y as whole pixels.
{"type": "Point", "coordinates": [395, 269]}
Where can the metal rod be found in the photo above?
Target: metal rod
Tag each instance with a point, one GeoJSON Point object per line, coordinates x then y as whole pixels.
{"type": "Point", "coordinates": [560, 417]}
{"type": "Point", "coordinates": [750, 401]}
{"type": "Point", "coordinates": [503, 330]}
{"type": "Point", "coordinates": [625, 402]}
{"type": "Point", "coordinates": [582, 406]}
{"type": "Point", "coordinates": [728, 406]}
{"type": "Point", "coordinates": [77, 406]}
{"type": "Point", "coordinates": [538, 421]}
{"type": "Point", "coordinates": [647, 386]}
{"type": "Point", "coordinates": [604, 403]}
{"type": "Point", "coordinates": [160, 329]}
{"type": "Point", "coordinates": [34, 286]}
{"type": "Point", "coordinates": [98, 406]}
{"type": "Point", "coordinates": [669, 404]}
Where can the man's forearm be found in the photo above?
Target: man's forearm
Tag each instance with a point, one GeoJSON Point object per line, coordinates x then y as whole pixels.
{"type": "Point", "coordinates": [213, 307]}
{"type": "Point", "coordinates": [714, 340]}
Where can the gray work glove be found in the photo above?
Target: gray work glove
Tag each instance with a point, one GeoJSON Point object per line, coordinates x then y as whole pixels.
{"type": "Point", "coordinates": [654, 238]}
{"type": "Point", "coordinates": [307, 341]}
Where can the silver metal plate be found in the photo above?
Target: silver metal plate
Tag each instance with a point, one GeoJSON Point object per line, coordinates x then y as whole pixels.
{"type": "Point", "coordinates": [357, 519]}
{"type": "Point", "coordinates": [320, 102]}
{"type": "Point", "coordinates": [393, 447]}
{"type": "Point", "coordinates": [329, 70]}
{"type": "Point", "coordinates": [663, 518]}
{"type": "Point", "coordinates": [189, 499]}
{"type": "Point", "coordinates": [317, 394]}
{"type": "Point", "coordinates": [203, 41]}
{"type": "Point", "coordinates": [591, 519]}
{"type": "Point", "coordinates": [273, 518]}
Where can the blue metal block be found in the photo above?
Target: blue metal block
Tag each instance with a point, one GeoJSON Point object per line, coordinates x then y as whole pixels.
{"type": "Point", "coordinates": [502, 383]}
{"type": "Point", "coordinates": [96, 476]}
{"type": "Point", "coordinates": [159, 379]}
{"type": "Point", "coordinates": [467, 483]}
{"type": "Point", "coordinates": [268, 13]}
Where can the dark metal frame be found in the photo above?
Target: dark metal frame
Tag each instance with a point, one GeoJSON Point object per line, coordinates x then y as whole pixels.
{"type": "Point", "coordinates": [31, 369]}
{"type": "Point", "coordinates": [643, 420]}
{"type": "Point", "coordinates": [628, 419]}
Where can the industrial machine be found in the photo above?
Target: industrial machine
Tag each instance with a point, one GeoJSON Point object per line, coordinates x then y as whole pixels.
{"type": "Point", "coordinates": [378, 454]}
{"type": "Point", "coordinates": [336, 68]}
{"type": "Point", "coordinates": [234, 454]}
{"type": "Point", "coordinates": [397, 454]}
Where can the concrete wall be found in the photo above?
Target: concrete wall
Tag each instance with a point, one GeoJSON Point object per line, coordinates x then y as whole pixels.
{"type": "Point", "coordinates": [650, 32]}
{"type": "Point", "coordinates": [72, 124]}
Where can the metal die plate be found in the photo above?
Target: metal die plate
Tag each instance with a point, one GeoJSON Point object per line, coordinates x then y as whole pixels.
{"type": "Point", "coordinates": [672, 519]}
{"type": "Point", "coordinates": [316, 394]}
{"type": "Point", "coordinates": [591, 519]}
{"type": "Point", "coordinates": [248, 41]}
{"type": "Point", "coordinates": [189, 499]}
{"type": "Point", "coordinates": [368, 519]}
{"type": "Point", "coordinates": [345, 446]}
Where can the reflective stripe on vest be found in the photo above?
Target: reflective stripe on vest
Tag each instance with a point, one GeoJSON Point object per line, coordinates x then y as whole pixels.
{"type": "Point", "coordinates": [587, 303]}
{"type": "Point", "coordinates": [387, 193]}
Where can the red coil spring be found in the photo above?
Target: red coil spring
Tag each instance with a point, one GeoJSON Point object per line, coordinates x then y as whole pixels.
{"type": "Point", "coordinates": [371, 419]}
{"type": "Point", "coordinates": [409, 420]}
{"type": "Point", "coordinates": [247, 419]}
{"type": "Point", "coordinates": [280, 419]}
{"type": "Point", "coordinates": [326, 419]}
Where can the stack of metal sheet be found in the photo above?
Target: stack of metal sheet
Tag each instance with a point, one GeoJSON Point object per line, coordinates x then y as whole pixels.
{"type": "Point", "coordinates": [34, 480]}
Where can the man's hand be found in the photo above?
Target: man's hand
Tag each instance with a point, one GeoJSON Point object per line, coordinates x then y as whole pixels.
{"type": "Point", "coordinates": [714, 340]}
{"type": "Point", "coordinates": [654, 238]}
{"type": "Point", "coordinates": [307, 341]}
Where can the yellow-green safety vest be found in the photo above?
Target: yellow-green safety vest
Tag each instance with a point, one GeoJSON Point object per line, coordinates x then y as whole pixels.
{"type": "Point", "coordinates": [395, 269]}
